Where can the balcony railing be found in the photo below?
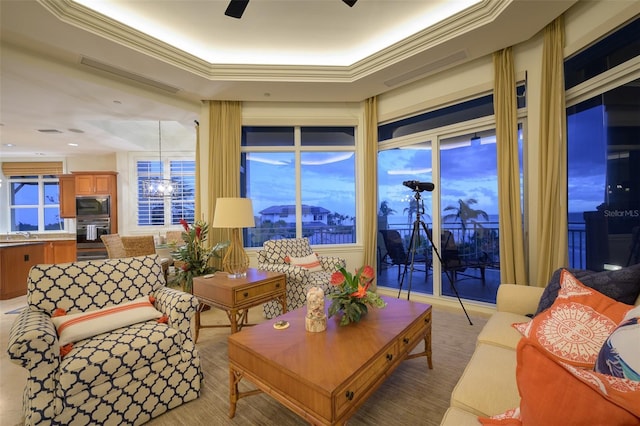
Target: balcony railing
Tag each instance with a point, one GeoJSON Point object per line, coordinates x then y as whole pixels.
{"type": "Point", "coordinates": [474, 241]}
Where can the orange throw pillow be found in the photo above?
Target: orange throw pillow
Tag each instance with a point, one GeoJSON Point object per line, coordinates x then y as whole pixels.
{"type": "Point", "coordinates": [576, 326]}
{"type": "Point", "coordinates": [555, 394]}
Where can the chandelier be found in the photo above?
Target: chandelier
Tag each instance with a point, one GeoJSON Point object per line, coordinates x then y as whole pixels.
{"type": "Point", "coordinates": [158, 187]}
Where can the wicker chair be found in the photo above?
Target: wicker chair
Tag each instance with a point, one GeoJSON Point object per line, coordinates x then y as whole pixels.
{"type": "Point", "coordinates": [143, 245]}
{"type": "Point", "coordinates": [174, 239]}
{"type": "Point", "coordinates": [115, 248]}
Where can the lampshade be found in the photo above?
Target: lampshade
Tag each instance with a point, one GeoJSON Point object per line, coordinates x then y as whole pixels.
{"type": "Point", "coordinates": [234, 213]}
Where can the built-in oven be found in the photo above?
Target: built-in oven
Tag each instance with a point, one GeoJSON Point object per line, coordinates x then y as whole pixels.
{"type": "Point", "coordinates": [88, 233]}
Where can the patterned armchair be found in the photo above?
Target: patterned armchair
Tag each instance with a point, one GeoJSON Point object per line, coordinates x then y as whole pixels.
{"type": "Point", "coordinates": [124, 376]}
{"type": "Point", "coordinates": [299, 279]}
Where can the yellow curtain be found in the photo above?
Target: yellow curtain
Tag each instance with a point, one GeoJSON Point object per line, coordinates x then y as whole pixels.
{"type": "Point", "coordinates": [223, 150]}
{"type": "Point", "coordinates": [198, 201]}
{"type": "Point", "coordinates": [551, 210]}
{"type": "Point", "coordinates": [512, 264]}
{"type": "Point", "coordinates": [370, 153]}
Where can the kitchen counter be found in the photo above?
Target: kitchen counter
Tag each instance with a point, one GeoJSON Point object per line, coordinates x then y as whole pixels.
{"type": "Point", "coordinates": [12, 238]}
{"type": "Point", "coordinates": [4, 244]}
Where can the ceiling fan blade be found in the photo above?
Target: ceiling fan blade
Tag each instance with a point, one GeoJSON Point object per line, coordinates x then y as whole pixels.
{"type": "Point", "coordinates": [350, 3]}
{"type": "Point", "coordinates": [236, 8]}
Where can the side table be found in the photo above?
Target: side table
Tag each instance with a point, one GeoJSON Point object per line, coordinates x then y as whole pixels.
{"type": "Point", "coordinates": [236, 295]}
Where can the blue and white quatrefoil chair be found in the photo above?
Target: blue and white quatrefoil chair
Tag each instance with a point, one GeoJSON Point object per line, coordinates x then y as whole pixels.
{"type": "Point", "coordinates": [303, 268]}
{"type": "Point", "coordinates": [104, 342]}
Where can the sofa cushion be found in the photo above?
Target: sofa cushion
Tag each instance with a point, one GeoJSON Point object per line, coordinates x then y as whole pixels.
{"type": "Point", "coordinates": [575, 327]}
{"type": "Point", "coordinates": [498, 331]}
{"type": "Point", "coordinates": [585, 397]}
{"type": "Point", "coordinates": [622, 285]}
{"type": "Point", "coordinates": [492, 370]}
{"type": "Point", "coordinates": [455, 416]}
{"type": "Point", "coordinates": [92, 284]}
{"type": "Point", "coordinates": [620, 354]}
{"type": "Point", "coordinates": [552, 392]}
{"type": "Point", "coordinates": [118, 353]}
{"type": "Point", "coordinates": [276, 251]}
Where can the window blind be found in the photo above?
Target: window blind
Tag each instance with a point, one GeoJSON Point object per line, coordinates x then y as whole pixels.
{"type": "Point", "coordinates": [32, 168]}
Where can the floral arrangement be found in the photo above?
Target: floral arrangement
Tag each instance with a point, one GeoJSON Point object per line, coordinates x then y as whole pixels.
{"type": "Point", "coordinates": [193, 258]}
{"type": "Point", "coordinates": [352, 296]}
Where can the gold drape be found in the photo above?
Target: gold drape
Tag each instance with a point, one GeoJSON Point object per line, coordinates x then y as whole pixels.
{"type": "Point", "coordinates": [370, 175]}
{"type": "Point", "coordinates": [223, 150]}
{"type": "Point", "coordinates": [512, 263]}
{"type": "Point", "coordinates": [551, 210]}
{"type": "Point", "coordinates": [198, 201]}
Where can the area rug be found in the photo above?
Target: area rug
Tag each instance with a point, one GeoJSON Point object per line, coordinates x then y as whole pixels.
{"type": "Point", "coordinates": [412, 395]}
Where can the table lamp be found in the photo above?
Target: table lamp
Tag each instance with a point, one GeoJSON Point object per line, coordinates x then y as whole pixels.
{"type": "Point", "coordinates": [234, 213]}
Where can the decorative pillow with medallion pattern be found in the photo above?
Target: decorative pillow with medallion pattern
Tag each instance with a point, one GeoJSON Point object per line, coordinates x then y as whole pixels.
{"type": "Point", "coordinates": [576, 326]}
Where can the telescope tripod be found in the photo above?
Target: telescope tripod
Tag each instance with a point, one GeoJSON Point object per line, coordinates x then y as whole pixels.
{"type": "Point", "coordinates": [414, 243]}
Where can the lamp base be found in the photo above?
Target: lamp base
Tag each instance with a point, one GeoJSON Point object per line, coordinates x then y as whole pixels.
{"type": "Point", "coordinates": [237, 275]}
{"type": "Point", "coordinates": [235, 262]}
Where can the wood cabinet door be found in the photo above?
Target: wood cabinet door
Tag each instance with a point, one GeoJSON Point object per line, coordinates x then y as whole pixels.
{"type": "Point", "coordinates": [85, 184]}
{"type": "Point", "coordinates": [102, 184]}
{"type": "Point", "coordinates": [60, 251]}
{"type": "Point", "coordinates": [67, 196]}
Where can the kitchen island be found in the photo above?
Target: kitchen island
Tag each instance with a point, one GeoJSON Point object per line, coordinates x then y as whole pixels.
{"type": "Point", "coordinates": [17, 256]}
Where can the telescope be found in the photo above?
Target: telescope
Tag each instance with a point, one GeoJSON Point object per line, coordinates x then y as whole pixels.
{"type": "Point", "coordinates": [419, 186]}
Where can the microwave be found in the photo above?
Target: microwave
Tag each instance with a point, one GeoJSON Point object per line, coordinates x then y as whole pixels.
{"type": "Point", "coordinates": [93, 205]}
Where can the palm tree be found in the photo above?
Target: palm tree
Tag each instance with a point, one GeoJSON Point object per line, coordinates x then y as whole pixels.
{"type": "Point", "coordinates": [383, 214]}
{"type": "Point", "coordinates": [385, 210]}
{"type": "Point", "coordinates": [464, 213]}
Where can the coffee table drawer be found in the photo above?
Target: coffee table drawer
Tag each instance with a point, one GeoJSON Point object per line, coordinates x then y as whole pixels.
{"type": "Point", "coordinates": [415, 333]}
{"type": "Point", "coordinates": [359, 386]}
{"type": "Point", "coordinates": [244, 295]}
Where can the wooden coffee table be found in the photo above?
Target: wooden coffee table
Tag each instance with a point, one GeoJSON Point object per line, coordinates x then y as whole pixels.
{"type": "Point", "coordinates": [236, 295]}
{"type": "Point", "coordinates": [325, 377]}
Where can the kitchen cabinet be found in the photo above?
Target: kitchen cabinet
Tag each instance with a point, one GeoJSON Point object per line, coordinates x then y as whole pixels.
{"type": "Point", "coordinates": [95, 183]}
{"type": "Point", "coordinates": [60, 251]}
{"type": "Point", "coordinates": [67, 196]}
{"type": "Point", "coordinates": [16, 260]}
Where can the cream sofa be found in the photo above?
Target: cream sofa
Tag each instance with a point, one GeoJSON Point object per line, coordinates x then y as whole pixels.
{"type": "Point", "coordinates": [488, 386]}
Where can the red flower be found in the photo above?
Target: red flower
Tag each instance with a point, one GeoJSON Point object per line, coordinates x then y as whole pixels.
{"type": "Point", "coordinates": [366, 273]}
{"type": "Point", "coordinates": [361, 292]}
{"type": "Point", "coordinates": [184, 224]}
{"type": "Point", "coordinates": [198, 231]}
{"type": "Point", "coordinates": [337, 278]}
{"type": "Point", "coordinates": [185, 267]}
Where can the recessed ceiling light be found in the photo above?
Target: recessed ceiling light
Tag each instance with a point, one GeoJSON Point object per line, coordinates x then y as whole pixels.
{"type": "Point", "coordinates": [72, 144]}
{"type": "Point", "coordinates": [40, 153]}
{"type": "Point", "coordinates": [76, 130]}
{"type": "Point", "coordinates": [117, 102]}
{"type": "Point", "coordinates": [9, 145]}
{"type": "Point", "coordinates": [49, 131]}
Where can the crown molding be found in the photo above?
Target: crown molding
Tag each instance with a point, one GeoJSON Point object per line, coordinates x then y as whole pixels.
{"type": "Point", "coordinates": [82, 17]}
